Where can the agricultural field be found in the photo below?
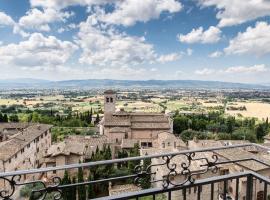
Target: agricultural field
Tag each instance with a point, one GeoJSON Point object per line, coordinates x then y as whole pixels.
{"type": "Point", "coordinates": [255, 109]}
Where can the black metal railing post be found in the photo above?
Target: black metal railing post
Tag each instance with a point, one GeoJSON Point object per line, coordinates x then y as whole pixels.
{"type": "Point", "coordinates": [249, 187]}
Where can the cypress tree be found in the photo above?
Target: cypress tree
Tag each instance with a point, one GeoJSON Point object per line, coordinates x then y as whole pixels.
{"type": "Point", "coordinates": [1, 117]}
{"type": "Point", "coordinates": [133, 153]}
{"type": "Point", "coordinates": [146, 184]}
{"type": "Point", "coordinates": [90, 116]}
{"type": "Point", "coordinates": [97, 119]}
{"type": "Point", "coordinates": [73, 195]}
{"type": "Point", "coordinates": [65, 181]}
{"type": "Point", "coordinates": [90, 189]}
{"type": "Point", "coordinates": [81, 189]}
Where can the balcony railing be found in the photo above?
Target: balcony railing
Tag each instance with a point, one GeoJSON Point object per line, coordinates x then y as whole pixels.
{"type": "Point", "coordinates": [188, 174]}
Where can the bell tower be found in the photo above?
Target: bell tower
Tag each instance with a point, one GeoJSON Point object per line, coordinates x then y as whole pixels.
{"type": "Point", "coordinates": [109, 102]}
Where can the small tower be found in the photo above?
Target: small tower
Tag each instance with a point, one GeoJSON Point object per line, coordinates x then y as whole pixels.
{"type": "Point", "coordinates": [109, 102]}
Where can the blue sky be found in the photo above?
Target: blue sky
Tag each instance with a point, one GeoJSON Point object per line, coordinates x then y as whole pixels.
{"type": "Point", "coordinates": [134, 39]}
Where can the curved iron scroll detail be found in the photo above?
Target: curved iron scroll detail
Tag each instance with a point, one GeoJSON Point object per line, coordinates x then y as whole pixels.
{"type": "Point", "coordinates": [6, 194]}
{"type": "Point", "coordinates": [175, 168]}
{"type": "Point", "coordinates": [39, 194]}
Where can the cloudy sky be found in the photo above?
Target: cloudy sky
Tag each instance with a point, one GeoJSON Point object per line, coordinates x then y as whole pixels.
{"type": "Point", "coordinates": [226, 40]}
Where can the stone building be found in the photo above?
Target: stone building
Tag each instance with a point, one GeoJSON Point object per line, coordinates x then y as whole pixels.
{"type": "Point", "coordinates": [25, 147]}
{"type": "Point", "coordinates": [119, 126]}
{"type": "Point", "coordinates": [234, 154]}
{"type": "Point", "coordinates": [74, 149]}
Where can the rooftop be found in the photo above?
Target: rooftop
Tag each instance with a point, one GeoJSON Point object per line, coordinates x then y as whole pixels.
{"type": "Point", "coordinates": [21, 139]}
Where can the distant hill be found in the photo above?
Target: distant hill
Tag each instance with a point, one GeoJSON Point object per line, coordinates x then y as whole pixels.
{"type": "Point", "coordinates": [109, 83]}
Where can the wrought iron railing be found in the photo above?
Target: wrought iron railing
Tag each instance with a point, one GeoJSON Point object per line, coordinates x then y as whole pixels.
{"type": "Point", "coordinates": [188, 174]}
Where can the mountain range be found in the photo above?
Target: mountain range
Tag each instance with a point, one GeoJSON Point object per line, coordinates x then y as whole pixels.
{"type": "Point", "coordinates": [110, 83]}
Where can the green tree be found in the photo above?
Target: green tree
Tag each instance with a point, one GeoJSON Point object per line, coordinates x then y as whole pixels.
{"type": "Point", "coordinates": [65, 181]}
{"type": "Point", "coordinates": [134, 152]}
{"type": "Point", "coordinates": [146, 180]}
{"type": "Point", "coordinates": [81, 189]}
{"type": "Point", "coordinates": [97, 119]}
{"type": "Point", "coordinates": [13, 118]}
{"type": "Point", "coordinates": [260, 132]}
{"type": "Point", "coordinates": [180, 124]}
{"type": "Point", "coordinates": [5, 118]}
{"type": "Point", "coordinates": [1, 117]}
{"type": "Point", "coordinates": [35, 117]}
{"type": "Point", "coordinates": [73, 190]}
{"type": "Point", "coordinates": [90, 189]}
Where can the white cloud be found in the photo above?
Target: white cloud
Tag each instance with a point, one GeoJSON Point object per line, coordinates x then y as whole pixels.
{"type": "Point", "coordinates": [244, 69]}
{"type": "Point", "coordinates": [67, 28]}
{"type": "Point", "coordinates": [59, 4]}
{"type": "Point", "coordinates": [125, 12]}
{"type": "Point", "coordinates": [204, 71]}
{"type": "Point", "coordinates": [111, 48]}
{"type": "Point", "coordinates": [6, 20]}
{"type": "Point", "coordinates": [37, 51]}
{"type": "Point", "coordinates": [129, 12]}
{"type": "Point", "coordinates": [211, 35]}
{"type": "Point", "coordinates": [39, 20]}
{"type": "Point", "coordinates": [253, 41]}
{"type": "Point", "coordinates": [233, 12]}
{"type": "Point", "coordinates": [169, 57]}
{"type": "Point", "coordinates": [103, 45]}
{"type": "Point", "coordinates": [215, 54]}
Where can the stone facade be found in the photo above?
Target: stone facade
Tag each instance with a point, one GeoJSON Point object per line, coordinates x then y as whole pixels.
{"type": "Point", "coordinates": [120, 125]}
{"type": "Point", "coordinates": [26, 148]}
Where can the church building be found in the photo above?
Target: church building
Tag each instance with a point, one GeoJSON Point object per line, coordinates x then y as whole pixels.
{"type": "Point", "coordinates": [121, 126]}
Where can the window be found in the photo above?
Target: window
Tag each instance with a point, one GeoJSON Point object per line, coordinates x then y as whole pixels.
{"type": "Point", "coordinates": [107, 100]}
{"type": "Point", "coordinates": [111, 100]}
{"type": "Point", "coordinates": [28, 145]}
{"type": "Point", "coordinates": [9, 160]}
{"type": "Point", "coordinates": [126, 135]}
{"type": "Point", "coordinates": [22, 150]}
{"type": "Point", "coordinates": [169, 144]}
{"type": "Point", "coordinates": [15, 155]}
{"type": "Point", "coordinates": [163, 144]}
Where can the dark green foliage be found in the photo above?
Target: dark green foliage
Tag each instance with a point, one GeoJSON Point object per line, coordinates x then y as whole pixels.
{"type": "Point", "coordinates": [90, 188]}
{"type": "Point", "coordinates": [261, 131]}
{"type": "Point", "coordinates": [73, 190]}
{"type": "Point", "coordinates": [13, 118]}
{"type": "Point", "coordinates": [81, 189]}
{"type": "Point", "coordinates": [97, 119]}
{"type": "Point", "coordinates": [66, 181]}
{"type": "Point", "coordinates": [134, 153]}
{"type": "Point", "coordinates": [146, 180]}
{"type": "Point", "coordinates": [218, 126]}
{"type": "Point", "coordinates": [180, 123]}
{"type": "Point", "coordinates": [5, 118]}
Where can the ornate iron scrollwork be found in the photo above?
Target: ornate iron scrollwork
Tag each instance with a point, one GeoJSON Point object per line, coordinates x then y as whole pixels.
{"type": "Point", "coordinates": [175, 169]}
